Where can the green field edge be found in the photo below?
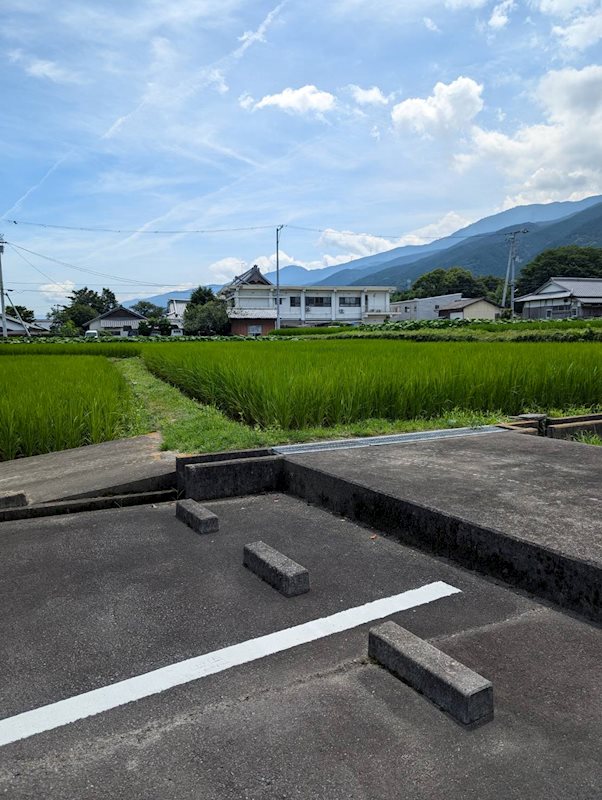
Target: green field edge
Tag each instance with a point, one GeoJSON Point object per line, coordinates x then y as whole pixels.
{"type": "Point", "coordinates": [187, 426]}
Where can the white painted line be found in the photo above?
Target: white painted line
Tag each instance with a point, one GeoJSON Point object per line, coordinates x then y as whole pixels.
{"type": "Point", "coordinates": [88, 704]}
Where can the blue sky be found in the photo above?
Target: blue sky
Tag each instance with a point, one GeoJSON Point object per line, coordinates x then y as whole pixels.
{"type": "Point", "coordinates": [379, 122]}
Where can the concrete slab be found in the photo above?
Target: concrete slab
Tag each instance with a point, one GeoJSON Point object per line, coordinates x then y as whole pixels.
{"type": "Point", "coordinates": [125, 465]}
{"type": "Point", "coordinates": [90, 599]}
{"type": "Point", "coordinates": [544, 491]}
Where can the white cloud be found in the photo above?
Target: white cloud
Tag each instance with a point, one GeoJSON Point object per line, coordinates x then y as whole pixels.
{"type": "Point", "coordinates": [563, 8]}
{"type": "Point", "coordinates": [41, 68]}
{"type": "Point", "coordinates": [451, 106]}
{"type": "Point", "coordinates": [558, 159]}
{"type": "Point", "coordinates": [306, 100]}
{"type": "Point", "coordinates": [358, 244]}
{"type": "Point", "coordinates": [225, 269]}
{"type": "Point", "coordinates": [581, 32]}
{"type": "Point", "coordinates": [57, 292]}
{"type": "Point", "coordinates": [431, 25]}
{"type": "Point", "coordinates": [456, 4]}
{"type": "Point", "coordinates": [500, 16]}
{"type": "Point", "coordinates": [368, 97]}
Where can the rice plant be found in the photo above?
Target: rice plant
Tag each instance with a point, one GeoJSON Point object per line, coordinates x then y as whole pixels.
{"type": "Point", "coordinates": [312, 383]}
{"type": "Point", "coordinates": [52, 403]}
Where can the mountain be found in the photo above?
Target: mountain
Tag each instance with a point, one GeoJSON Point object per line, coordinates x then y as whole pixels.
{"type": "Point", "coordinates": [161, 299]}
{"type": "Point", "coordinates": [487, 253]}
{"type": "Point", "coordinates": [301, 276]}
{"type": "Point", "coordinates": [518, 216]}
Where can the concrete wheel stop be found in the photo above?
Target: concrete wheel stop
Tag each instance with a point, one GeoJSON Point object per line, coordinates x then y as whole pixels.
{"type": "Point", "coordinates": [462, 693]}
{"type": "Point", "coordinates": [196, 516]}
{"type": "Point", "coordinates": [273, 567]}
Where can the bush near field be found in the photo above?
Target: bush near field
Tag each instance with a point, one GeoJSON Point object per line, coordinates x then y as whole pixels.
{"type": "Point", "coordinates": [321, 382]}
{"type": "Point", "coordinates": [444, 324]}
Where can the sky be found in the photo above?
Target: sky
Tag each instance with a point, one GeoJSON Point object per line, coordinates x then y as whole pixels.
{"type": "Point", "coordinates": [359, 125]}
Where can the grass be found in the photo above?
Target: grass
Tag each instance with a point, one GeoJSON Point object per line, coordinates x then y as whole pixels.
{"type": "Point", "coordinates": [586, 437]}
{"type": "Point", "coordinates": [323, 383]}
{"type": "Point", "coordinates": [189, 426]}
{"type": "Point", "coordinates": [56, 402]}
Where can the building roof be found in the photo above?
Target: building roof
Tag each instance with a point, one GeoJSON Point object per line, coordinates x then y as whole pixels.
{"type": "Point", "coordinates": [581, 288]}
{"type": "Point", "coordinates": [251, 276]}
{"type": "Point", "coordinates": [178, 305]}
{"type": "Point", "coordinates": [458, 305]}
{"type": "Point", "coordinates": [319, 288]}
{"type": "Point", "coordinates": [118, 311]}
{"type": "Point", "coordinates": [14, 322]}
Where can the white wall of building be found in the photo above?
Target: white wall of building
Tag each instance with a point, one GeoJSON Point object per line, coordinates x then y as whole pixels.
{"type": "Point", "coordinates": [422, 307]}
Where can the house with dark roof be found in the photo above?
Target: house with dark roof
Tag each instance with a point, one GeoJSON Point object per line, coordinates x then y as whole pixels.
{"type": "Point", "coordinates": [118, 321]}
{"type": "Point", "coordinates": [16, 327]}
{"type": "Point", "coordinates": [470, 308]}
{"type": "Point", "coordinates": [560, 298]}
{"type": "Point", "coordinates": [255, 305]}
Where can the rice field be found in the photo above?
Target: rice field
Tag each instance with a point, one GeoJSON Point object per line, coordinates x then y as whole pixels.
{"type": "Point", "coordinates": [53, 402]}
{"type": "Point", "coordinates": [322, 383]}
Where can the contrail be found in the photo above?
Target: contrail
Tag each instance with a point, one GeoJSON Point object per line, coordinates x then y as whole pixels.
{"type": "Point", "coordinates": [33, 188]}
{"type": "Point", "coordinates": [247, 40]}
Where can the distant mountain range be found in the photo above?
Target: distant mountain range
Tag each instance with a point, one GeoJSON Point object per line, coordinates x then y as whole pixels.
{"type": "Point", "coordinates": [481, 247]}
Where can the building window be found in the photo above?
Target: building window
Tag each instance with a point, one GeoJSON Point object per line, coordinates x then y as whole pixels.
{"type": "Point", "coordinates": [254, 330]}
{"type": "Point", "coordinates": [350, 301]}
{"type": "Point", "coordinates": [295, 302]}
{"type": "Point", "coordinates": [318, 301]}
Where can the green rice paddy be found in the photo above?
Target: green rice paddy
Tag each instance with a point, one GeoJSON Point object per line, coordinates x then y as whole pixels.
{"type": "Point", "coordinates": [324, 383]}
{"type": "Point", "coordinates": [52, 403]}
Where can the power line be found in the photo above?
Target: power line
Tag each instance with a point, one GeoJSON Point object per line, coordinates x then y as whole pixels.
{"type": "Point", "coordinates": [137, 230]}
{"type": "Point", "coordinates": [131, 281]}
{"type": "Point", "coordinates": [208, 231]}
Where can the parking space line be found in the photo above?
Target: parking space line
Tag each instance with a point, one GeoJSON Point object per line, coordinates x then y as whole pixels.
{"type": "Point", "coordinates": [64, 712]}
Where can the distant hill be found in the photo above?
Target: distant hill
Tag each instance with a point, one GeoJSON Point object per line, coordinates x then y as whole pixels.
{"type": "Point", "coordinates": [487, 253]}
{"type": "Point", "coordinates": [301, 276]}
{"type": "Point", "coordinates": [161, 299]}
{"type": "Point", "coordinates": [350, 272]}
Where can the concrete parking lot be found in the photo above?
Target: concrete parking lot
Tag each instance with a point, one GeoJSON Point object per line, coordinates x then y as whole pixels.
{"type": "Point", "coordinates": [96, 598]}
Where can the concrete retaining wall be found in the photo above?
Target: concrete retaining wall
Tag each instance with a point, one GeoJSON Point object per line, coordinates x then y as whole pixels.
{"type": "Point", "coordinates": [570, 583]}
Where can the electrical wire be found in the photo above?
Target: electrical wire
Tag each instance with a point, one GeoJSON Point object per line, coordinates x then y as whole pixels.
{"type": "Point", "coordinates": [136, 230]}
{"type": "Point", "coordinates": [87, 270]}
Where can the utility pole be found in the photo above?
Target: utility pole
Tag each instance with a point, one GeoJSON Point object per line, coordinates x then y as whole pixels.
{"type": "Point", "coordinates": [18, 316]}
{"type": "Point", "coordinates": [2, 308]}
{"type": "Point", "coordinates": [511, 269]}
{"type": "Point", "coordinates": [278, 229]}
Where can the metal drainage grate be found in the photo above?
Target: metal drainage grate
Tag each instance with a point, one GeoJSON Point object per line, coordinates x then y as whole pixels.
{"type": "Point", "coordinates": [374, 441]}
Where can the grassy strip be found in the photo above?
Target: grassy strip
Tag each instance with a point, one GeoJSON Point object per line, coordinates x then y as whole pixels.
{"type": "Point", "coordinates": [191, 427]}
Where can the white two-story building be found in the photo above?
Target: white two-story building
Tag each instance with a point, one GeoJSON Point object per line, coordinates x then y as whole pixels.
{"type": "Point", "coordinates": [252, 310]}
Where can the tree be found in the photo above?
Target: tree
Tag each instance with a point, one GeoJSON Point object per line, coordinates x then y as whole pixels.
{"type": "Point", "coordinates": [560, 262]}
{"type": "Point", "coordinates": [164, 326]}
{"type": "Point", "coordinates": [67, 329]}
{"type": "Point", "coordinates": [144, 328]}
{"type": "Point", "coordinates": [210, 319]}
{"type": "Point", "coordinates": [451, 281]}
{"type": "Point", "coordinates": [26, 314]}
{"type": "Point", "coordinates": [148, 309]}
{"type": "Point", "coordinates": [78, 314]}
{"type": "Point", "coordinates": [201, 295]}
{"type": "Point", "coordinates": [105, 301]}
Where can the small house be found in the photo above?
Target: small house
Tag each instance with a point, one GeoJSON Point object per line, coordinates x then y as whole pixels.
{"type": "Point", "coordinates": [118, 321]}
{"type": "Point", "coordinates": [470, 308]}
